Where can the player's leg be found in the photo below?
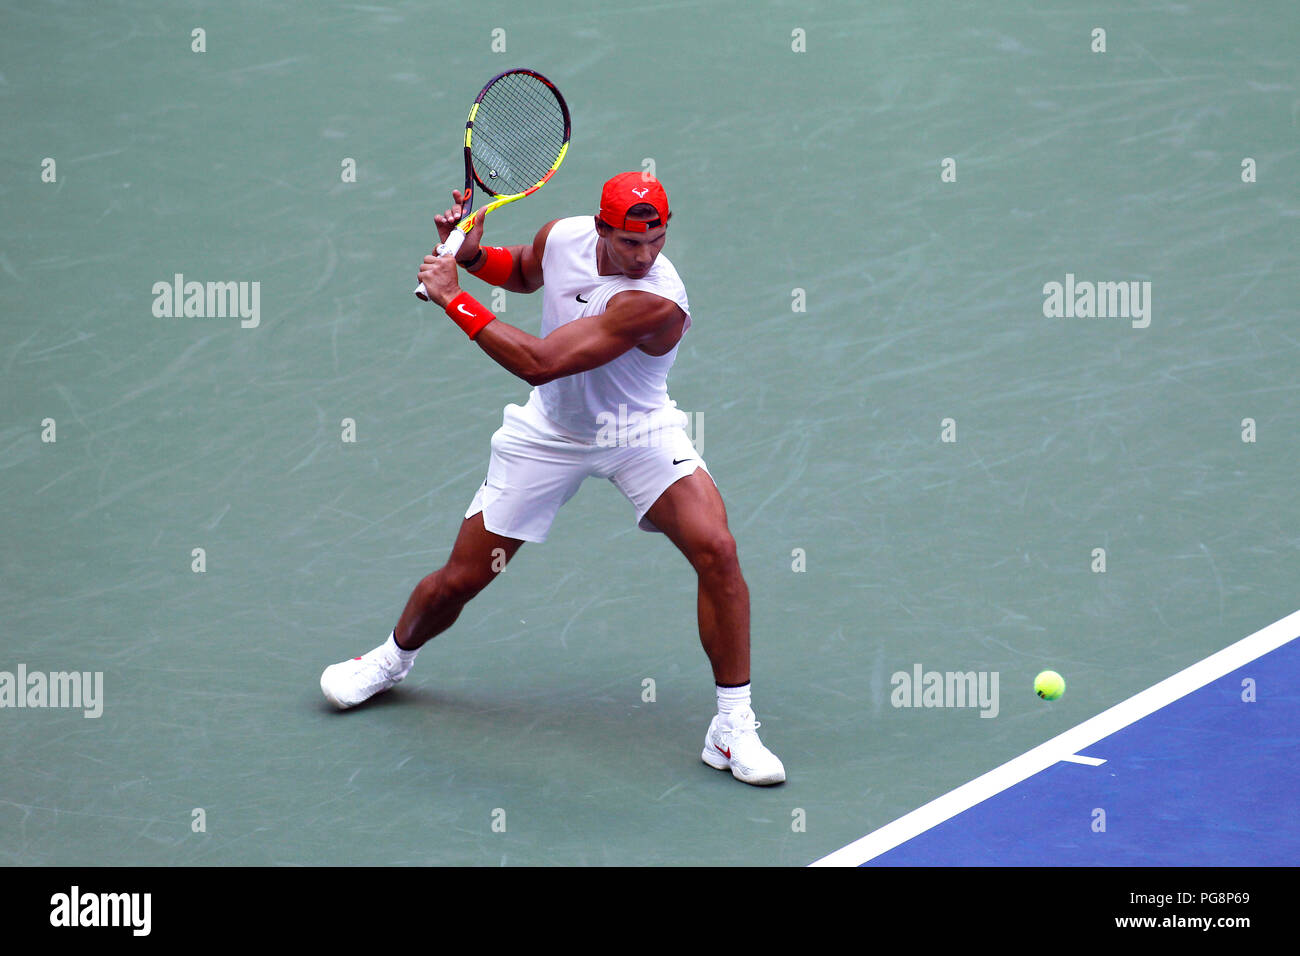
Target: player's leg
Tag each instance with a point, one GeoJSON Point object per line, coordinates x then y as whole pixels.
{"type": "Point", "coordinates": [477, 557]}
{"type": "Point", "coordinates": [691, 513]}
{"type": "Point", "coordinates": [530, 476]}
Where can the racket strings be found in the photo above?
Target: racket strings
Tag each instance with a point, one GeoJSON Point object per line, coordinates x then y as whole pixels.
{"type": "Point", "coordinates": [519, 131]}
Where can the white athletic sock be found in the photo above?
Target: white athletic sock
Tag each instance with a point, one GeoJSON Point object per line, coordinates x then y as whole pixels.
{"type": "Point", "coordinates": [732, 699]}
{"type": "Point", "coordinates": [403, 655]}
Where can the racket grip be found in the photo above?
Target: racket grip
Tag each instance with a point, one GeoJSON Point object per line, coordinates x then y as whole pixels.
{"type": "Point", "coordinates": [448, 248]}
{"type": "Point", "coordinates": [452, 245]}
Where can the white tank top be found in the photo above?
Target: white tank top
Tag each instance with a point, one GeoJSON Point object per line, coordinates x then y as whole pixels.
{"type": "Point", "coordinates": [632, 388]}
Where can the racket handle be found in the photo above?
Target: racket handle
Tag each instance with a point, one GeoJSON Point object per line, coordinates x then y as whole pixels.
{"type": "Point", "coordinates": [452, 245]}
{"type": "Point", "coordinates": [448, 248]}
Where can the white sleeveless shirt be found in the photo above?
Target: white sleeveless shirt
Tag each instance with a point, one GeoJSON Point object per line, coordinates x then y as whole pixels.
{"type": "Point", "coordinates": [632, 387]}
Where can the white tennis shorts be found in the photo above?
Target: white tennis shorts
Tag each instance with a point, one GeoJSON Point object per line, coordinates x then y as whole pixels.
{"type": "Point", "coordinates": [535, 469]}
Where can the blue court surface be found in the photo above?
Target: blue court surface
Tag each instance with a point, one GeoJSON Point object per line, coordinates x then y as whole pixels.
{"type": "Point", "coordinates": [1199, 770]}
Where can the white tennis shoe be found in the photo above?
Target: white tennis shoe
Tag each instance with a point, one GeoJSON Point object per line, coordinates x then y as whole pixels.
{"type": "Point", "coordinates": [351, 682]}
{"type": "Point", "coordinates": [732, 744]}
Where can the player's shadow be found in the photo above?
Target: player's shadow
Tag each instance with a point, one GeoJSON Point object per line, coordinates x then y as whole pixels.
{"type": "Point", "coordinates": [562, 707]}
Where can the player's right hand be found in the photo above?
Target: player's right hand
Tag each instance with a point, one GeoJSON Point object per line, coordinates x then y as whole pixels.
{"type": "Point", "coordinates": [447, 221]}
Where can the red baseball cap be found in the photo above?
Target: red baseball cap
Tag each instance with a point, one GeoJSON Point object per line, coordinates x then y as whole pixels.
{"type": "Point", "coordinates": [626, 190]}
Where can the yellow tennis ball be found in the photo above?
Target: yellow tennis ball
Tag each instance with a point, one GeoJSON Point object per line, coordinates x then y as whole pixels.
{"type": "Point", "coordinates": [1049, 685]}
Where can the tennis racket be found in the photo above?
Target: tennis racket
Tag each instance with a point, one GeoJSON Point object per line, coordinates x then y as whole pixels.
{"type": "Point", "coordinates": [515, 140]}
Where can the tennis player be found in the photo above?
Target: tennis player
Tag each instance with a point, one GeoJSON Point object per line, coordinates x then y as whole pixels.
{"type": "Point", "coordinates": [613, 313]}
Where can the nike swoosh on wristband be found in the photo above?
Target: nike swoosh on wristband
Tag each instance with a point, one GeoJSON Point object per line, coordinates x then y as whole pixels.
{"type": "Point", "coordinates": [464, 311]}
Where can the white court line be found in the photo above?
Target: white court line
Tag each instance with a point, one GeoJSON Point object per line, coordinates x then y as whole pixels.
{"type": "Point", "coordinates": [1086, 761]}
{"type": "Point", "coordinates": [1067, 744]}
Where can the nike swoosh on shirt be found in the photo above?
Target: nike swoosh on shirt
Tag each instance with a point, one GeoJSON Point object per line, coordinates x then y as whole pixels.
{"type": "Point", "coordinates": [678, 461]}
{"type": "Point", "coordinates": [581, 299]}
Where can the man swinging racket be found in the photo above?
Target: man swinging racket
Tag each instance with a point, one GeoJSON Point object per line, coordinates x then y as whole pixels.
{"type": "Point", "coordinates": [613, 313]}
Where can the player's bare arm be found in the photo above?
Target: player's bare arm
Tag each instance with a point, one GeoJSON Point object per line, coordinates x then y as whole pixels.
{"type": "Point", "coordinates": [632, 319]}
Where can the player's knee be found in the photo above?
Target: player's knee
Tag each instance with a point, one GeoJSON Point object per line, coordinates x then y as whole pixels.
{"type": "Point", "coordinates": [716, 554]}
{"type": "Point", "coordinates": [456, 584]}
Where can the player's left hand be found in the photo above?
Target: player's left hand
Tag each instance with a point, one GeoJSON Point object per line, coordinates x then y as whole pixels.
{"type": "Point", "coordinates": [447, 222]}
{"type": "Point", "coordinates": [438, 275]}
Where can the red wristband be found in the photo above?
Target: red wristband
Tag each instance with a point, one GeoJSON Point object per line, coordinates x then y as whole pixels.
{"type": "Point", "coordinates": [470, 314]}
{"type": "Point", "coordinates": [498, 267]}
